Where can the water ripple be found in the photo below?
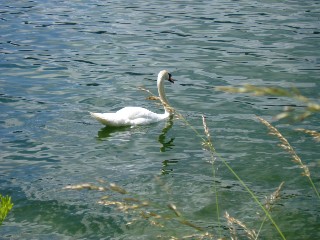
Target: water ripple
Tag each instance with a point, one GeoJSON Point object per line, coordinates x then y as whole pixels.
{"type": "Point", "coordinates": [61, 59]}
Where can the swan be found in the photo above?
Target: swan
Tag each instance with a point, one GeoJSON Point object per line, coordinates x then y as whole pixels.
{"type": "Point", "coordinates": [132, 116]}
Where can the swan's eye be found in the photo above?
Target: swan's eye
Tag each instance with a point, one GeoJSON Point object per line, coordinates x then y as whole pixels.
{"type": "Point", "coordinates": [170, 75]}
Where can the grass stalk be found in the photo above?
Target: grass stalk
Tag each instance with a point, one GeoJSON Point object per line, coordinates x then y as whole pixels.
{"type": "Point", "coordinates": [134, 204]}
{"type": "Point", "coordinates": [251, 234]}
{"type": "Point", "coordinates": [310, 107]}
{"type": "Point", "coordinates": [314, 134]}
{"type": "Point", "coordinates": [209, 145]}
{"type": "Point", "coordinates": [254, 197]}
{"type": "Point", "coordinates": [211, 148]}
{"type": "Point", "coordinates": [270, 201]}
{"type": "Point", "coordinates": [284, 144]}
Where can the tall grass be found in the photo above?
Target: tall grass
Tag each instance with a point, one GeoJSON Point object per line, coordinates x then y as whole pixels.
{"type": "Point", "coordinates": [160, 215]}
{"type": "Point", "coordinates": [310, 107]}
{"type": "Point", "coordinates": [284, 144]}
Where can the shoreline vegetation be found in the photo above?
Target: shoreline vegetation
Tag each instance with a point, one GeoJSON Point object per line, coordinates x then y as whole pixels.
{"type": "Point", "coordinates": [5, 207]}
{"type": "Point", "coordinates": [142, 208]}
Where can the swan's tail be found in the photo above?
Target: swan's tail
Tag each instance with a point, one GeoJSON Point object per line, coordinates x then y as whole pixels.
{"type": "Point", "coordinates": [108, 119]}
{"type": "Point", "coordinates": [100, 117]}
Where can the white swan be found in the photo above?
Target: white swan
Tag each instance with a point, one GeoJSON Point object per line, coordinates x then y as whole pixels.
{"type": "Point", "coordinates": [131, 116]}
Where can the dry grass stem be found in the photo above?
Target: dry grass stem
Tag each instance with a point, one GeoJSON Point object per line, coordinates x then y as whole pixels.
{"type": "Point", "coordinates": [122, 206]}
{"type": "Point", "coordinates": [129, 199]}
{"type": "Point", "coordinates": [153, 97]}
{"type": "Point", "coordinates": [198, 236]}
{"type": "Point", "coordinates": [207, 144]}
{"type": "Point", "coordinates": [314, 134]}
{"type": "Point", "coordinates": [174, 209]}
{"type": "Point", "coordinates": [187, 223]}
{"type": "Point", "coordinates": [202, 236]}
{"type": "Point", "coordinates": [87, 186]}
{"type": "Point", "coordinates": [205, 126]}
{"type": "Point", "coordinates": [145, 90]}
{"type": "Point", "coordinates": [251, 234]}
{"type": "Point", "coordinates": [261, 91]}
{"type": "Point", "coordinates": [116, 188]}
{"type": "Point", "coordinates": [135, 206]}
{"type": "Point", "coordinates": [270, 201]}
{"type": "Point", "coordinates": [90, 186]}
{"type": "Point", "coordinates": [147, 215]}
{"type": "Point", "coordinates": [309, 109]}
{"type": "Point", "coordinates": [152, 218]}
{"type": "Point", "coordinates": [284, 144]}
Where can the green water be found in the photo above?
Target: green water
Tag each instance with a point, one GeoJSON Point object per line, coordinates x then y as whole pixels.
{"type": "Point", "coordinates": [59, 60]}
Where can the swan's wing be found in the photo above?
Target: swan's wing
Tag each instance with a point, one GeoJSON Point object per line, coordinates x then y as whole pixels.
{"type": "Point", "coordinates": [132, 113]}
{"type": "Point", "coordinates": [139, 115]}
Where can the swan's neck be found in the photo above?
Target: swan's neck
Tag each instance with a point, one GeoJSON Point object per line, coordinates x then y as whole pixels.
{"type": "Point", "coordinates": [162, 95]}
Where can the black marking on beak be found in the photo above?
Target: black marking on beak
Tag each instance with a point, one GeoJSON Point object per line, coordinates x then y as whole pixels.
{"type": "Point", "coordinates": [171, 79]}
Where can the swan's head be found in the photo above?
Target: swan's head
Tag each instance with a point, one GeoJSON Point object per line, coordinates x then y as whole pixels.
{"type": "Point", "coordinates": [165, 75]}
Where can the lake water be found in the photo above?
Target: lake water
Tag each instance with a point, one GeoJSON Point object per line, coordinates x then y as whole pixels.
{"type": "Point", "coordinates": [61, 59]}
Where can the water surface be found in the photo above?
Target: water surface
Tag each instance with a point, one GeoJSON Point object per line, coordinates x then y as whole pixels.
{"type": "Point", "coordinates": [61, 59]}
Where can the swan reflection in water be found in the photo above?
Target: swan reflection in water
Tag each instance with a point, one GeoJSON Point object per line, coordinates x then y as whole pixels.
{"type": "Point", "coordinates": [107, 132]}
{"type": "Point", "coordinates": [162, 137]}
{"type": "Point", "coordinates": [167, 165]}
{"type": "Point", "coordinates": [165, 144]}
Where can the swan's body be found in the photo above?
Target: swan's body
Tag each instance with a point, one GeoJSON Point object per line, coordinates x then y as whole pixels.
{"type": "Point", "coordinates": [131, 116]}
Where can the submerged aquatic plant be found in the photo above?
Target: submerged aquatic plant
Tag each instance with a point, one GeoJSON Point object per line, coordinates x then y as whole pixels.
{"type": "Point", "coordinates": [5, 207]}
